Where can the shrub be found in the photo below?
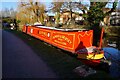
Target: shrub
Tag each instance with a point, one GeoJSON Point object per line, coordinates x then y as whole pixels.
{"type": "Point", "coordinates": [112, 30]}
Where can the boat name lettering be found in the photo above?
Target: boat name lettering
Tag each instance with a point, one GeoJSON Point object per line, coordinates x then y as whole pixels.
{"type": "Point", "coordinates": [62, 37]}
{"type": "Point", "coordinates": [63, 43]}
{"type": "Point", "coordinates": [43, 33]}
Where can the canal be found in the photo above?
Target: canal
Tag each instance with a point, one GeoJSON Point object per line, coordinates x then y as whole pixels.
{"type": "Point", "coordinates": [113, 55]}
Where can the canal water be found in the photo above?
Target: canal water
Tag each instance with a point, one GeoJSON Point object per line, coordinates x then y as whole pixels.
{"type": "Point", "coordinates": [113, 55]}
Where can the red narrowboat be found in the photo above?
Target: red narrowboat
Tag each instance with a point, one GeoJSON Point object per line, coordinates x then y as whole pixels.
{"type": "Point", "coordinates": [76, 41]}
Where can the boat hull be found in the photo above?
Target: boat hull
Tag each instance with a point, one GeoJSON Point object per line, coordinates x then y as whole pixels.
{"type": "Point", "coordinates": [72, 41]}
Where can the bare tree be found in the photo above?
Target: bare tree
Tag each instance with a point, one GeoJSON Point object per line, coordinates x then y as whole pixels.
{"type": "Point", "coordinates": [56, 7]}
{"type": "Point", "coordinates": [32, 10]}
{"type": "Point", "coordinates": [61, 6]}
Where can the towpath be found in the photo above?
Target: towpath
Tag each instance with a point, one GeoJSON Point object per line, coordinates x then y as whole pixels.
{"type": "Point", "coordinates": [20, 61]}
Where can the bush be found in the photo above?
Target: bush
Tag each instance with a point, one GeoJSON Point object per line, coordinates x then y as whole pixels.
{"type": "Point", "coordinates": [49, 24]}
{"type": "Point", "coordinates": [112, 30]}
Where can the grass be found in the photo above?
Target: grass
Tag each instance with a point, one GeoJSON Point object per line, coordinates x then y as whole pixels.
{"type": "Point", "coordinates": [61, 62]}
{"type": "Point", "coordinates": [0, 25]}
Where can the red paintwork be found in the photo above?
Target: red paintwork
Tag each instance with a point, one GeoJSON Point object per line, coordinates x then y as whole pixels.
{"type": "Point", "coordinates": [102, 31]}
{"type": "Point", "coordinates": [67, 40]}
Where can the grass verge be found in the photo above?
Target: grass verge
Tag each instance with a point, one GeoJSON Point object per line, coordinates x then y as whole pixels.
{"type": "Point", "coordinates": [59, 61]}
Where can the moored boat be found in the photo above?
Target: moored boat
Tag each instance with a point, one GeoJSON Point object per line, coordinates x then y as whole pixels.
{"type": "Point", "coordinates": [76, 41]}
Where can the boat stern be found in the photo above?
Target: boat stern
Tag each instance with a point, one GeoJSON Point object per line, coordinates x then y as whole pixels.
{"type": "Point", "coordinates": [91, 53]}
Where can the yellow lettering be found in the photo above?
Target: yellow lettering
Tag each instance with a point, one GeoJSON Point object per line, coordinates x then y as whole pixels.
{"type": "Point", "coordinates": [62, 37]}
{"type": "Point", "coordinates": [43, 33]}
{"type": "Point", "coordinates": [63, 43]}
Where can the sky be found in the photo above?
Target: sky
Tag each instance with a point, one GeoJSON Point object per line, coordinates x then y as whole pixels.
{"type": "Point", "coordinates": [9, 5]}
{"type": "Point", "coordinates": [13, 3]}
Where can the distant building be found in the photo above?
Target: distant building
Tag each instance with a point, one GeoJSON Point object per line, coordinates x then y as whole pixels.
{"type": "Point", "coordinates": [106, 20]}
{"type": "Point", "coordinates": [115, 18]}
{"type": "Point", "coordinates": [50, 17]}
{"type": "Point", "coordinates": [66, 16]}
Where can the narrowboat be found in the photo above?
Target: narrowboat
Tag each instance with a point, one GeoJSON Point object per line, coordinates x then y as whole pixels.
{"type": "Point", "coordinates": [76, 41]}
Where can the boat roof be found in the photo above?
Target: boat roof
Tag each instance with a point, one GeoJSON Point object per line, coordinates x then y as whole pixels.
{"type": "Point", "coordinates": [60, 29]}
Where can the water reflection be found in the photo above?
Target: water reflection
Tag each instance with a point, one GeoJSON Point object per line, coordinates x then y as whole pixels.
{"type": "Point", "coordinates": [113, 55]}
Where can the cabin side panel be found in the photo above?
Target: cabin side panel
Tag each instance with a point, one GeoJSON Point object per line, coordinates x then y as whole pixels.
{"type": "Point", "coordinates": [24, 29]}
{"type": "Point", "coordinates": [70, 41]}
{"type": "Point", "coordinates": [29, 30]}
{"type": "Point", "coordinates": [84, 39]}
{"type": "Point", "coordinates": [64, 40]}
{"type": "Point", "coordinates": [40, 33]}
{"type": "Point", "coordinates": [44, 35]}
